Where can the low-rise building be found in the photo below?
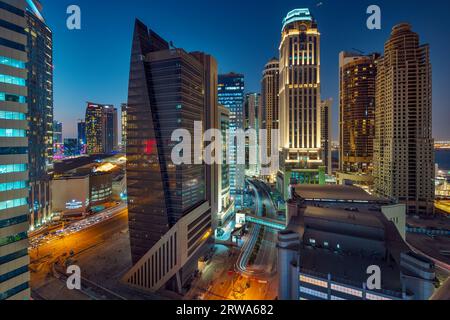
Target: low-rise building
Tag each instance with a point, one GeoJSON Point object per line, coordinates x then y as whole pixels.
{"type": "Point", "coordinates": [335, 236]}
{"type": "Point", "coordinates": [71, 194]}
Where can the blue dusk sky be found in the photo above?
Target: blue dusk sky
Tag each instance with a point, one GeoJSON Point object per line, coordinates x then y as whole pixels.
{"type": "Point", "coordinates": [92, 64]}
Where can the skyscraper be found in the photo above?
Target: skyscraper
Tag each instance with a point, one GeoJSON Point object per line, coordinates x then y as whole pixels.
{"type": "Point", "coordinates": [210, 121]}
{"type": "Point", "coordinates": [231, 96]}
{"type": "Point", "coordinates": [57, 137]}
{"type": "Point", "coordinates": [123, 122]}
{"type": "Point", "coordinates": [40, 111]}
{"type": "Point", "coordinates": [14, 205]}
{"type": "Point", "coordinates": [252, 110]}
{"type": "Point", "coordinates": [300, 114]}
{"type": "Point", "coordinates": [403, 148]}
{"type": "Point", "coordinates": [57, 132]}
{"type": "Point", "coordinates": [71, 147]}
{"type": "Point", "coordinates": [225, 205]}
{"type": "Point", "coordinates": [101, 128]}
{"type": "Point", "coordinates": [357, 116]}
{"type": "Point", "coordinates": [326, 108]}
{"type": "Point", "coordinates": [81, 133]}
{"type": "Point", "coordinates": [169, 216]}
{"type": "Point", "coordinates": [270, 111]}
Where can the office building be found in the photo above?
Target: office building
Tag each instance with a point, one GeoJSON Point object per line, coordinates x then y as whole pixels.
{"type": "Point", "coordinates": [81, 133]}
{"type": "Point", "coordinates": [58, 141]}
{"type": "Point", "coordinates": [356, 117]}
{"type": "Point", "coordinates": [100, 187]}
{"type": "Point", "coordinates": [300, 111]}
{"type": "Point", "coordinates": [40, 112]}
{"type": "Point", "coordinates": [123, 122]}
{"type": "Point", "coordinates": [334, 234]}
{"type": "Point", "coordinates": [71, 147]}
{"type": "Point", "coordinates": [71, 194]}
{"type": "Point", "coordinates": [231, 96]}
{"type": "Point", "coordinates": [14, 191]}
{"type": "Point", "coordinates": [404, 147]}
{"type": "Point", "coordinates": [326, 110]}
{"type": "Point", "coordinates": [101, 128]}
{"type": "Point", "coordinates": [210, 121]}
{"type": "Point", "coordinates": [226, 203]}
{"type": "Point", "coordinates": [170, 218]}
{"type": "Point", "coordinates": [270, 111]}
{"type": "Point", "coordinates": [252, 114]}
{"type": "Point", "coordinates": [57, 132]}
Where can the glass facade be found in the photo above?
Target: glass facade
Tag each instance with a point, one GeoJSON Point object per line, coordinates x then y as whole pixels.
{"type": "Point", "coordinates": [12, 133]}
{"type": "Point", "coordinates": [10, 115]}
{"type": "Point", "coordinates": [12, 62]}
{"type": "Point", "coordinates": [314, 288]}
{"type": "Point", "coordinates": [231, 96]}
{"type": "Point", "coordinates": [12, 80]}
{"type": "Point", "coordinates": [101, 128]}
{"type": "Point", "coordinates": [357, 112]}
{"type": "Point", "coordinates": [165, 94]}
{"type": "Point", "coordinates": [17, 185]}
{"type": "Point", "coordinates": [40, 113]}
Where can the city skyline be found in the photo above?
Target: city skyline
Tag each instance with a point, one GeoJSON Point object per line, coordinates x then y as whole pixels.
{"type": "Point", "coordinates": [187, 204]}
{"type": "Point", "coordinates": [229, 46]}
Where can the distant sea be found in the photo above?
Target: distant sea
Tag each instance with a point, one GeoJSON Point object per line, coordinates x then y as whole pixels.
{"type": "Point", "coordinates": [442, 158]}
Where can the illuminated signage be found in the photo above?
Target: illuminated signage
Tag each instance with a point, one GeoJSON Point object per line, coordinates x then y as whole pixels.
{"type": "Point", "coordinates": [74, 204]}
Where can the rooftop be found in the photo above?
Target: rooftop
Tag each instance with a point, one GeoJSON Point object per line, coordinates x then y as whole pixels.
{"type": "Point", "coordinates": [355, 218]}
{"type": "Point", "coordinates": [297, 15]}
{"type": "Point", "coordinates": [335, 193]}
{"type": "Point", "coordinates": [347, 269]}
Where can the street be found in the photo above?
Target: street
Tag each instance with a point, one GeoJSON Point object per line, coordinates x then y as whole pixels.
{"type": "Point", "coordinates": [44, 256]}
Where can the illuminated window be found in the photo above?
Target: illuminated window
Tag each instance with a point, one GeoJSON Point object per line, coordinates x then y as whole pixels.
{"type": "Point", "coordinates": [12, 133]}
{"type": "Point", "coordinates": [8, 115]}
{"type": "Point", "coordinates": [315, 282]}
{"type": "Point", "coordinates": [8, 186]}
{"type": "Point", "coordinates": [12, 62]}
{"type": "Point", "coordinates": [12, 80]}
{"type": "Point", "coordinates": [12, 98]}
{"type": "Point", "coordinates": [314, 293]}
{"type": "Point", "coordinates": [12, 168]}
{"type": "Point", "coordinates": [350, 291]}
{"type": "Point", "coordinates": [13, 203]}
{"type": "Point", "coordinates": [370, 296]}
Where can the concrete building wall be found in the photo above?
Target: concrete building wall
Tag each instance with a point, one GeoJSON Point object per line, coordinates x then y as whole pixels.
{"type": "Point", "coordinates": [70, 195]}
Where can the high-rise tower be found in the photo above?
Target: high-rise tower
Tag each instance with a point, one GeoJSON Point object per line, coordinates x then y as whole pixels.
{"type": "Point", "coordinates": [14, 193]}
{"type": "Point", "coordinates": [357, 116]}
{"type": "Point", "coordinates": [101, 128]}
{"type": "Point", "coordinates": [231, 96]}
{"type": "Point", "coordinates": [300, 112]}
{"type": "Point", "coordinates": [252, 110]}
{"type": "Point", "coordinates": [270, 111]}
{"type": "Point", "coordinates": [124, 125]}
{"type": "Point", "coordinates": [40, 112]}
{"type": "Point", "coordinates": [403, 148]}
{"type": "Point", "coordinates": [326, 108]}
{"type": "Point", "coordinates": [170, 218]}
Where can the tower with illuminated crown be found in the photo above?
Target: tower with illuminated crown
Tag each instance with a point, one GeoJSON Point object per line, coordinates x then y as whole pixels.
{"type": "Point", "coordinates": [300, 102]}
